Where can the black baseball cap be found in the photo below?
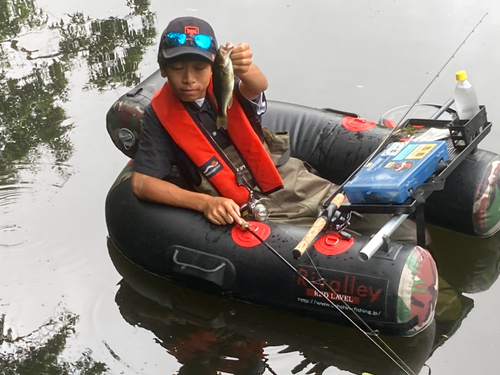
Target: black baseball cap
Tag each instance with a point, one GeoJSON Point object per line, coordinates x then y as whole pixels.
{"type": "Point", "coordinates": [189, 26]}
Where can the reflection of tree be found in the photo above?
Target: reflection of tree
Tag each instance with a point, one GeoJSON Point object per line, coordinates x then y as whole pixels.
{"type": "Point", "coordinates": [40, 351]}
{"type": "Point", "coordinates": [112, 48]}
{"type": "Point", "coordinates": [32, 119]}
{"type": "Point", "coordinates": [16, 15]}
{"type": "Point", "coordinates": [108, 68]}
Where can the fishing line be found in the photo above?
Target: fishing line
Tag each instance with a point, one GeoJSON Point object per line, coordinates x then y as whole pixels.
{"type": "Point", "coordinates": [270, 369]}
{"type": "Point", "coordinates": [389, 353]}
{"type": "Point", "coordinates": [386, 138]}
{"type": "Point", "coordinates": [394, 356]}
{"type": "Point", "coordinates": [383, 143]}
{"type": "Point", "coordinates": [433, 80]}
{"type": "Point", "coordinates": [440, 71]}
{"type": "Point", "coordinates": [371, 331]}
{"type": "Point", "coordinates": [401, 365]}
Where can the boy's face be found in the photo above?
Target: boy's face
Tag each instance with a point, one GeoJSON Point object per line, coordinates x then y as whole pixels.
{"type": "Point", "coordinates": [188, 79]}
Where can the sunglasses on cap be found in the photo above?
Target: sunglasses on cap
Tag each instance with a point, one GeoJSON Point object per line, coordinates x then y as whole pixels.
{"type": "Point", "coordinates": [174, 39]}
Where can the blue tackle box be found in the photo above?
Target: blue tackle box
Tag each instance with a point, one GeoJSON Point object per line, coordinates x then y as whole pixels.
{"type": "Point", "coordinates": [399, 169]}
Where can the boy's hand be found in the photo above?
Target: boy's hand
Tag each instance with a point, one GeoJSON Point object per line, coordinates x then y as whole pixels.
{"type": "Point", "coordinates": [222, 211]}
{"type": "Point", "coordinates": [241, 58]}
{"type": "Point", "coordinates": [253, 81]}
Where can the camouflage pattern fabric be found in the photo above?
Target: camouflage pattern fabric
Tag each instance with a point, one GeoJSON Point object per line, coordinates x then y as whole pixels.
{"type": "Point", "coordinates": [124, 124]}
{"type": "Point", "coordinates": [418, 289]}
{"type": "Point", "coordinates": [486, 209]}
{"type": "Point", "coordinates": [125, 174]}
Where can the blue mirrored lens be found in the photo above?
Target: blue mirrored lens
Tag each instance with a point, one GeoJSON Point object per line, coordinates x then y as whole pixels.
{"type": "Point", "coordinates": [202, 41]}
{"type": "Point", "coordinates": [175, 39]}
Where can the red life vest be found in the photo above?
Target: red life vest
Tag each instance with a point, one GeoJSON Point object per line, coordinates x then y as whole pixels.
{"type": "Point", "coordinates": [193, 141]}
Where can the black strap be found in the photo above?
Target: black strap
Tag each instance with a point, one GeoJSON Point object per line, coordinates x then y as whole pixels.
{"type": "Point", "coordinates": [284, 158]}
{"type": "Point", "coordinates": [420, 195]}
{"type": "Point", "coordinates": [420, 219]}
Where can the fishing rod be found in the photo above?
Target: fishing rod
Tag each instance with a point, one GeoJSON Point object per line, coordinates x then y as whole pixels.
{"type": "Point", "coordinates": [331, 205]}
{"type": "Point", "coordinates": [386, 139]}
{"type": "Point", "coordinates": [389, 352]}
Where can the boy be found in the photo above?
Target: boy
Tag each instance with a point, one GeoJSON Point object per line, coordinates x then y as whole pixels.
{"type": "Point", "coordinates": [188, 67]}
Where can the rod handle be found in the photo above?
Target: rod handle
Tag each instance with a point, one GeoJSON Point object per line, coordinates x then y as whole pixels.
{"type": "Point", "coordinates": [304, 244]}
{"type": "Point", "coordinates": [338, 200]}
{"type": "Point", "coordinates": [244, 224]}
{"type": "Point", "coordinates": [317, 227]}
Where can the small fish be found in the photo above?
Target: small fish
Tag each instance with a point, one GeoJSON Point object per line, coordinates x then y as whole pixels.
{"type": "Point", "coordinates": [223, 82]}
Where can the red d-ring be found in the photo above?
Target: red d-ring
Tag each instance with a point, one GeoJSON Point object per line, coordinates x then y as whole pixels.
{"type": "Point", "coordinates": [333, 244]}
{"type": "Point", "coordinates": [356, 124]}
{"type": "Point", "coordinates": [244, 238]}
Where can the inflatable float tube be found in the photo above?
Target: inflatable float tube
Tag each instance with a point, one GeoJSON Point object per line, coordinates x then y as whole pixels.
{"type": "Point", "coordinates": [233, 336]}
{"type": "Point", "coordinates": [394, 292]}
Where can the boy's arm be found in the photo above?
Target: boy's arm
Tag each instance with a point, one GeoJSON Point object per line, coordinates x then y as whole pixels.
{"type": "Point", "coordinates": [218, 210]}
{"type": "Point", "coordinates": [253, 81]}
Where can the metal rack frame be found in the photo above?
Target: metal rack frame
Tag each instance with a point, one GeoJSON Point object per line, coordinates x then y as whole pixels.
{"type": "Point", "coordinates": [464, 139]}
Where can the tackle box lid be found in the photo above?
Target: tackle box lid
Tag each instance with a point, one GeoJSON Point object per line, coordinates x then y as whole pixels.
{"type": "Point", "coordinates": [397, 171]}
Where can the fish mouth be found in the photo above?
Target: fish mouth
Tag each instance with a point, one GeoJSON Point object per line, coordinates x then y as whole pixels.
{"type": "Point", "coordinates": [226, 51]}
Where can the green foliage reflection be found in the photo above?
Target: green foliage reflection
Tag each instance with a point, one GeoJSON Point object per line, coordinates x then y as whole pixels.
{"type": "Point", "coordinates": [16, 15]}
{"type": "Point", "coordinates": [40, 352]}
{"type": "Point", "coordinates": [31, 120]}
{"type": "Point", "coordinates": [33, 83]}
{"type": "Point", "coordinates": [112, 49]}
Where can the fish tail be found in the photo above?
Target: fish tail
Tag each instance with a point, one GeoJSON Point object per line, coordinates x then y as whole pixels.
{"type": "Point", "coordinates": [221, 122]}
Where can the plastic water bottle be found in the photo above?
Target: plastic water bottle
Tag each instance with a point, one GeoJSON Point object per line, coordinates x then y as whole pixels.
{"type": "Point", "coordinates": [465, 97]}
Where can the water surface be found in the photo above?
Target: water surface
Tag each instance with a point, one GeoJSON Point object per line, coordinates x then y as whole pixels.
{"type": "Point", "coordinates": [62, 65]}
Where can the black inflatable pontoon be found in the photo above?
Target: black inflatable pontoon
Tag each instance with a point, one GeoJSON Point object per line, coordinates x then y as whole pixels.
{"type": "Point", "coordinates": [395, 291]}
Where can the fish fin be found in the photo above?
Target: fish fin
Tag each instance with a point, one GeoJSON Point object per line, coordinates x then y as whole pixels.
{"type": "Point", "coordinates": [230, 102]}
{"type": "Point", "coordinates": [222, 122]}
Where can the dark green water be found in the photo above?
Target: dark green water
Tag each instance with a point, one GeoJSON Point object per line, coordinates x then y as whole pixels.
{"type": "Point", "coordinates": [67, 310]}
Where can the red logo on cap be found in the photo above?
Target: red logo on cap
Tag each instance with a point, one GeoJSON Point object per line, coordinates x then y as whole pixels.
{"type": "Point", "coordinates": [191, 30]}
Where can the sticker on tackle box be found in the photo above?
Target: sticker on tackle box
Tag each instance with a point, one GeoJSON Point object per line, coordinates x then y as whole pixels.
{"type": "Point", "coordinates": [397, 171]}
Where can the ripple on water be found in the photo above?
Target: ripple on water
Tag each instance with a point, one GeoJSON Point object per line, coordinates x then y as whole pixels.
{"type": "Point", "coordinates": [12, 232]}
{"type": "Point", "coordinates": [12, 235]}
{"type": "Point", "coordinates": [37, 234]}
{"type": "Point", "coordinates": [9, 194]}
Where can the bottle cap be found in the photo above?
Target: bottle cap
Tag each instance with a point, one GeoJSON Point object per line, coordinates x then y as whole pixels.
{"type": "Point", "coordinates": [461, 75]}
